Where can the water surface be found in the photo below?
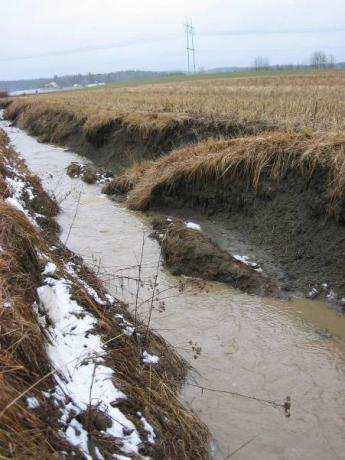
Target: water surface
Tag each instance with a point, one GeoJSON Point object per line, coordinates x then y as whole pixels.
{"type": "Point", "coordinates": [259, 347]}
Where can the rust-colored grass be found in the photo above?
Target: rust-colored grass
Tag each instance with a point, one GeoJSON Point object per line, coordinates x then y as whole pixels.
{"type": "Point", "coordinates": [25, 369]}
{"type": "Point", "coordinates": [312, 100]}
{"type": "Point", "coordinates": [242, 159]}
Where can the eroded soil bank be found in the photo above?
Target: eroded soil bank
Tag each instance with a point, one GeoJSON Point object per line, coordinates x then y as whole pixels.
{"type": "Point", "coordinates": [287, 221]}
{"type": "Point", "coordinates": [118, 143]}
{"type": "Point", "coordinates": [290, 220]}
{"type": "Point", "coordinates": [249, 345]}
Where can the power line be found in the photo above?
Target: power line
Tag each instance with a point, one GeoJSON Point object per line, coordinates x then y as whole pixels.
{"type": "Point", "coordinates": [190, 45]}
{"type": "Point", "coordinates": [147, 40]}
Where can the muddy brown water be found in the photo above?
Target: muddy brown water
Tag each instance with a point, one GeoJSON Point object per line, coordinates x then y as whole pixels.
{"type": "Point", "coordinates": [259, 347]}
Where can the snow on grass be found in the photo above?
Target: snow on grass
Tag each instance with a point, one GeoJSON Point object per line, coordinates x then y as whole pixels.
{"type": "Point", "coordinates": [18, 188]}
{"type": "Point", "coordinates": [92, 293]}
{"type": "Point", "coordinates": [150, 359]}
{"type": "Point", "coordinates": [32, 402]}
{"type": "Point", "coordinates": [110, 299]}
{"type": "Point", "coordinates": [246, 260]}
{"type": "Point", "coordinates": [76, 352]}
{"type": "Point", "coordinates": [193, 226]}
{"type": "Point", "coordinates": [128, 327]}
{"type": "Point", "coordinates": [49, 269]}
{"type": "Point", "coordinates": [151, 435]}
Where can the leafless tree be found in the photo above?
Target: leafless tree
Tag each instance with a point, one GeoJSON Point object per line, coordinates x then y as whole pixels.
{"type": "Point", "coordinates": [320, 60]}
{"type": "Point", "coordinates": [261, 63]}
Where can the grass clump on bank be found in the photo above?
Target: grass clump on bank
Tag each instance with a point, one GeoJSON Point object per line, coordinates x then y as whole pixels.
{"type": "Point", "coordinates": [186, 250]}
{"type": "Point", "coordinates": [284, 192]}
{"type": "Point", "coordinates": [249, 161]}
{"type": "Point", "coordinates": [79, 375]}
{"type": "Point", "coordinates": [88, 173]}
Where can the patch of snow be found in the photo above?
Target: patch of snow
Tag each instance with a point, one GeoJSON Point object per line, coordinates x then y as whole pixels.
{"type": "Point", "coordinates": [7, 304]}
{"type": "Point", "coordinates": [78, 437]}
{"type": "Point", "coordinates": [18, 186]}
{"type": "Point", "coordinates": [32, 402]}
{"type": "Point", "coordinates": [313, 293]}
{"type": "Point", "coordinates": [331, 296]}
{"type": "Point", "coordinates": [110, 299]}
{"type": "Point", "coordinates": [91, 291]}
{"type": "Point", "coordinates": [30, 193]}
{"type": "Point", "coordinates": [129, 330]}
{"type": "Point", "coordinates": [193, 226]}
{"type": "Point", "coordinates": [98, 454]}
{"type": "Point", "coordinates": [243, 259]}
{"type": "Point", "coordinates": [15, 203]}
{"type": "Point", "coordinates": [150, 359]}
{"type": "Point", "coordinates": [49, 269]}
{"type": "Point", "coordinates": [77, 353]}
{"type": "Point", "coordinates": [246, 260]}
{"type": "Point", "coordinates": [151, 435]}
{"type": "Point", "coordinates": [128, 327]}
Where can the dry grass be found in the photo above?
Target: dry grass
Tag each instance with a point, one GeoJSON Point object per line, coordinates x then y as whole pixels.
{"type": "Point", "coordinates": [313, 100]}
{"type": "Point", "coordinates": [249, 158]}
{"type": "Point", "coordinates": [25, 367]}
{"type": "Point", "coordinates": [190, 252]}
{"type": "Point", "coordinates": [128, 179]}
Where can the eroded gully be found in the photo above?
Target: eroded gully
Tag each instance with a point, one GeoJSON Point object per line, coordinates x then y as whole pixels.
{"type": "Point", "coordinates": [253, 346]}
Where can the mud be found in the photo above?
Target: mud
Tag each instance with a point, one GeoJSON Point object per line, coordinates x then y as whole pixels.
{"type": "Point", "coordinates": [117, 145]}
{"type": "Point", "coordinates": [288, 220]}
{"type": "Point", "coordinates": [188, 251]}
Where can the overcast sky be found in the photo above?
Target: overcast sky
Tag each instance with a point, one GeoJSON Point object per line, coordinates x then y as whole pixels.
{"type": "Point", "coordinates": [47, 37]}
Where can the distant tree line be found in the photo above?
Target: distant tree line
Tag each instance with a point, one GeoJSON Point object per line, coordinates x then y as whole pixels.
{"type": "Point", "coordinates": [83, 80]}
{"type": "Point", "coordinates": [318, 60]}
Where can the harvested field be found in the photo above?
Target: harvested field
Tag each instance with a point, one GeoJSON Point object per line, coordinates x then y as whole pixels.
{"type": "Point", "coordinates": [118, 126]}
{"type": "Point", "coordinates": [79, 374]}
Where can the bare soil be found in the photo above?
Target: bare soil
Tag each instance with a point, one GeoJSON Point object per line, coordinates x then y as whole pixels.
{"type": "Point", "coordinates": [286, 219]}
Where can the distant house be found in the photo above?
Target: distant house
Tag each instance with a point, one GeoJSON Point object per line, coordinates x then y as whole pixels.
{"type": "Point", "coordinates": [91, 85]}
{"type": "Point", "coordinates": [51, 84]}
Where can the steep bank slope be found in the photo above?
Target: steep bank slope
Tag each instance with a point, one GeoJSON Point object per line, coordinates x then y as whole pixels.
{"type": "Point", "coordinates": [285, 192]}
{"type": "Point", "coordinates": [80, 375]}
{"type": "Point", "coordinates": [117, 138]}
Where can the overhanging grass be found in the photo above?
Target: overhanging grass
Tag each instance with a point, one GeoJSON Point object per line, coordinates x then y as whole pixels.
{"type": "Point", "coordinates": [225, 161]}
